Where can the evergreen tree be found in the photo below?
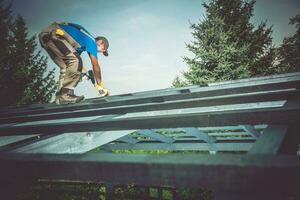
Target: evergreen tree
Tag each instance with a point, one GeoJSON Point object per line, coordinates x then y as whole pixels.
{"type": "Point", "coordinates": [289, 51]}
{"type": "Point", "coordinates": [5, 23]}
{"type": "Point", "coordinates": [227, 46]}
{"type": "Point", "coordinates": [24, 72]}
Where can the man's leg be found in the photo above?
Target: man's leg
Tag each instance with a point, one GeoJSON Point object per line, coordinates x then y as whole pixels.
{"type": "Point", "coordinates": [70, 68]}
{"type": "Point", "coordinates": [73, 70]}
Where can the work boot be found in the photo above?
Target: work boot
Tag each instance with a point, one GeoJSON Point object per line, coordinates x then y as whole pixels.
{"type": "Point", "coordinates": [67, 96]}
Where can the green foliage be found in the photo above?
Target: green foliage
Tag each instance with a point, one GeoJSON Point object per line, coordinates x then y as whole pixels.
{"type": "Point", "coordinates": [141, 151]}
{"type": "Point", "coordinates": [85, 191]}
{"type": "Point", "coordinates": [227, 46]}
{"type": "Point", "coordinates": [23, 77]}
{"type": "Point", "coordinates": [289, 51]}
{"type": "Point", "coordinates": [177, 82]}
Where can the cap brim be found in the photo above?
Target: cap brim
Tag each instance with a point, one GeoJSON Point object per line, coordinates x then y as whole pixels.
{"type": "Point", "coordinates": [105, 53]}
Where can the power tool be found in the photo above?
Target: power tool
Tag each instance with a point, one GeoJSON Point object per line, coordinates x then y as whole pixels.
{"type": "Point", "coordinates": [89, 75]}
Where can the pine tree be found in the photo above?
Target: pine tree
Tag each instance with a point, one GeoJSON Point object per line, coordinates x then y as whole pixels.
{"type": "Point", "coordinates": [5, 24]}
{"type": "Point", "coordinates": [227, 46]}
{"type": "Point", "coordinates": [25, 81]}
{"type": "Point", "coordinates": [289, 51]}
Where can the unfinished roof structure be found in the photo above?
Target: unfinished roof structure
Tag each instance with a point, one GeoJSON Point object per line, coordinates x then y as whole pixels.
{"type": "Point", "coordinates": [249, 128]}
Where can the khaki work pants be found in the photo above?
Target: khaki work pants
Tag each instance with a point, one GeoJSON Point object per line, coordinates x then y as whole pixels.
{"type": "Point", "coordinates": [64, 55]}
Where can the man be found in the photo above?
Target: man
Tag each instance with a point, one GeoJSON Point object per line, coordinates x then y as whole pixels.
{"type": "Point", "coordinates": [64, 43]}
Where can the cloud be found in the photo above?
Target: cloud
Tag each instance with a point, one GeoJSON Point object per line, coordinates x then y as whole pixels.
{"type": "Point", "coordinates": [138, 22]}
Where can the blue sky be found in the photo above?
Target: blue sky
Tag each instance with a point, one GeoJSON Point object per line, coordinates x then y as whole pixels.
{"type": "Point", "coordinates": [147, 37]}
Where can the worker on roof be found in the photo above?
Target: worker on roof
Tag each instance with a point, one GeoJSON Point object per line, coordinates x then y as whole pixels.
{"type": "Point", "coordinates": [64, 43]}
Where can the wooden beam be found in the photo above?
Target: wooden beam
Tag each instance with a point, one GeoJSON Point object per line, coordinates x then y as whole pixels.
{"type": "Point", "coordinates": [291, 94]}
{"type": "Point", "coordinates": [219, 128]}
{"type": "Point", "coordinates": [279, 173]}
{"type": "Point", "coordinates": [197, 117]}
{"type": "Point", "coordinates": [251, 130]}
{"type": "Point", "coordinates": [255, 79]}
{"type": "Point", "coordinates": [156, 136]}
{"type": "Point", "coordinates": [152, 93]}
{"type": "Point", "coordinates": [72, 143]}
{"type": "Point", "coordinates": [231, 133]}
{"type": "Point", "coordinates": [270, 141]}
{"type": "Point", "coordinates": [242, 146]}
{"type": "Point", "coordinates": [273, 84]}
{"type": "Point", "coordinates": [128, 139]}
{"type": "Point", "coordinates": [203, 136]}
{"type": "Point", "coordinates": [7, 140]}
{"type": "Point", "coordinates": [291, 142]}
{"type": "Point", "coordinates": [199, 134]}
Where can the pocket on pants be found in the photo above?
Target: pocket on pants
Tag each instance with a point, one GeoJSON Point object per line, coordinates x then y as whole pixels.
{"type": "Point", "coordinates": [44, 39]}
{"type": "Point", "coordinates": [64, 50]}
{"type": "Point", "coordinates": [80, 64]}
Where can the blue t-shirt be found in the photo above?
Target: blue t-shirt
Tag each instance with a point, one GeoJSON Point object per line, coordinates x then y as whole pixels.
{"type": "Point", "coordinates": [86, 41]}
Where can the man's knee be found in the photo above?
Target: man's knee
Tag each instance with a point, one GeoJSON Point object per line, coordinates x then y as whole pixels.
{"type": "Point", "coordinates": [75, 64]}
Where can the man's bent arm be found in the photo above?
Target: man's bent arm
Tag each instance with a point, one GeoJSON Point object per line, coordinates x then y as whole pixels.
{"type": "Point", "coordinates": [96, 68]}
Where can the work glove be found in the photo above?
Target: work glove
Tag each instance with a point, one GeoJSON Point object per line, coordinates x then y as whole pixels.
{"type": "Point", "coordinates": [101, 89]}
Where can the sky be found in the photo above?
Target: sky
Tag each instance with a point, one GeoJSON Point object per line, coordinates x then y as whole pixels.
{"type": "Point", "coordinates": [147, 37]}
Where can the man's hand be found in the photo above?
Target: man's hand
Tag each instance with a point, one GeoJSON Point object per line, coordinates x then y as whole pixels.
{"type": "Point", "coordinates": [97, 75]}
{"type": "Point", "coordinates": [101, 89]}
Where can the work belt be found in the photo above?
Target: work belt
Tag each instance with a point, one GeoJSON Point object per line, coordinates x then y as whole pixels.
{"type": "Point", "coordinates": [57, 42]}
{"type": "Point", "coordinates": [54, 30]}
{"type": "Point", "coordinates": [51, 34]}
